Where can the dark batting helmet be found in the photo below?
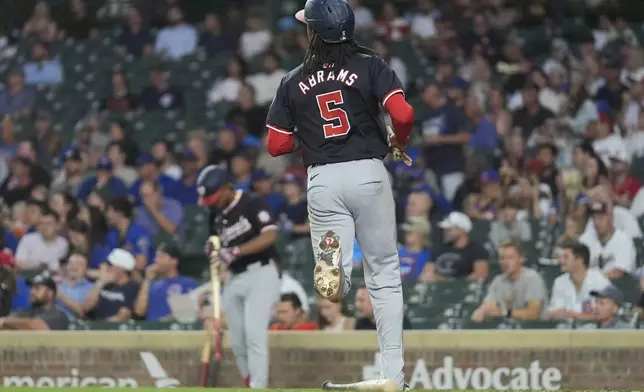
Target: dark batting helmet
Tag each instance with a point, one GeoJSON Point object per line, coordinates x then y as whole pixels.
{"type": "Point", "coordinates": [210, 181]}
{"type": "Point", "coordinates": [333, 20]}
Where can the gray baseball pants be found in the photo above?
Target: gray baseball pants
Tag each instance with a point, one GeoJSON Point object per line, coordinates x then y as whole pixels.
{"type": "Point", "coordinates": [248, 301]}
{"type": "Point", "coordinates": [355, 200]}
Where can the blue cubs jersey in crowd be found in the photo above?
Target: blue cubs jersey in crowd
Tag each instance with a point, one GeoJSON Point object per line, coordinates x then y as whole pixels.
{"type": "Point", "coordinates": [136, 240]}
{"type": "Point", "coordinates": [161, 289]}
{"type": "Point", "coordinates": [412, 263]}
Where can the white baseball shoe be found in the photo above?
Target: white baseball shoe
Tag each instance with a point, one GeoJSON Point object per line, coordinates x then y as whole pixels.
{"type": "Point", "coordinates": [328, 275]}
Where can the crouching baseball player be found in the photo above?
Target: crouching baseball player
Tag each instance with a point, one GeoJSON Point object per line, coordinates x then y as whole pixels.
{"type": "Point", "coordinates": [248, 233]}
{"type": "Point", "coordinates": [331, 105]}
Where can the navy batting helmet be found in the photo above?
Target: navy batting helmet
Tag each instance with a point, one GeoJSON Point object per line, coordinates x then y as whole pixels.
{"type": "Point", "coordinates": [211, 179]}
{"type": "Point", "coordinates": [333, 20]}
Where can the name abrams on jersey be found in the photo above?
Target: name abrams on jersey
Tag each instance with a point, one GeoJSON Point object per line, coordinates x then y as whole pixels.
{"type": "Point", "coordinates": [327, 76]}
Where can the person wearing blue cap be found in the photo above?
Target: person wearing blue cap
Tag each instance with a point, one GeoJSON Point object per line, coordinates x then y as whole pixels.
{"type": "Point", "coordinates": [294, 217]}
{"type": "Point", "coordinates": [149, 171]}
{"type": "Point", "coordinates": [262, 185]}
{"type": "Point", "coordinates": [186, 189]}
{"type": "Point", "coordinates": [104, 180]}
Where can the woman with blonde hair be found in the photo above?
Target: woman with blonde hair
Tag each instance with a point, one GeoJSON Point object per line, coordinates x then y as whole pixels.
{"type": "Point", "coordinates": [334, 316]}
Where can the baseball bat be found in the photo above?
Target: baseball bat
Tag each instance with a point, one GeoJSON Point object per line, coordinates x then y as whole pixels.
{"type": "Point", "coordinates": [206, 352]}
{"type": "Point", "coordinates": [216, 296]}
{"type": "Point", "coordinates": [368, 385]}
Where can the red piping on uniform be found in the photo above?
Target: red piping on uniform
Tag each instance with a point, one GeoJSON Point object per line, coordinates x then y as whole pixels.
{"type": "Point", "coordinates": [279, 141]}
{"type": "Point", "coordinates": [402, 115]}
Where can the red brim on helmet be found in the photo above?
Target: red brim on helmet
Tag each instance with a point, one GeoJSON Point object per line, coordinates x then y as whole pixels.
{"type": "Point", "coordinates": [210, 200]}
{"type": "Point", "coordinates": [300, 16]}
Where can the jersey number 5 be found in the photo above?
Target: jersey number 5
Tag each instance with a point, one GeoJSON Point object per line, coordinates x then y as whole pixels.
{"type": "Point", "coordinates": [336, 118]}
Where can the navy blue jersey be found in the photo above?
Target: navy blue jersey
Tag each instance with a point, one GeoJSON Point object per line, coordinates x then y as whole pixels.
{"type": "Point", "coordinates": [334, 113]}
{"type": "Point", "coordinates": [244, 220]}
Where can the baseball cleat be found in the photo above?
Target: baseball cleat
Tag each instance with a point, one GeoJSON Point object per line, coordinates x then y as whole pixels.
{"type": "Point", "coordinates": [328, 275]}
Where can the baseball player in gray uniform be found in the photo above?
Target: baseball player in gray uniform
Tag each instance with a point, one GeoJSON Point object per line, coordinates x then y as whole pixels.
{"type": "Point", "coordinates": [330, 105]}
{"type": "Point", "coordinates": [248, 234]}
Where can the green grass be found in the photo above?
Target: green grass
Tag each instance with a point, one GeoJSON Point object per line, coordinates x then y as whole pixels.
{"type": "Point", "coordinates": [149, 389]}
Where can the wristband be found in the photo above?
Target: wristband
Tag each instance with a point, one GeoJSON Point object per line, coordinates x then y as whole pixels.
{"type": "Point", "coordinates": [236, 251]}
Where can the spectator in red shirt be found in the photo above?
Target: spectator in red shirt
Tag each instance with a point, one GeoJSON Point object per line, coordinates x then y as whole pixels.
{"type": "Point", "coordinates": [291, 315]}
{"type": "Point", "coordinates": [625, 187]}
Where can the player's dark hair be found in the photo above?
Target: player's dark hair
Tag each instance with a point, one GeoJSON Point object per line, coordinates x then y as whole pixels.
{"type": "Point", "coordinates": [320, 53]}
{"type": "Point", "coordinates": [578, 250]}
{"type": "Point", "coordinates": [47, 211]}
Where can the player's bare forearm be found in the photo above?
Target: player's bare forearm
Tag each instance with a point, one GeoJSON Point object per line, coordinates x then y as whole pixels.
{"type": "Point", "coordinates": [259, 243]}
{"type": "Point", "coordinates": [402, 117]}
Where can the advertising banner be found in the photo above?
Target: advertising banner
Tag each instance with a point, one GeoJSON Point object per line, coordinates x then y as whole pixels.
{"type": "Point", "coordinates": [305, 360]}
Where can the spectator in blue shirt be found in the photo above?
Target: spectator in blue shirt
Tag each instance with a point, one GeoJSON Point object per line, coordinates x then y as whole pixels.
{"type": "Point", "coordinates": [186, 191]}
{"type": "Point", "coordinates": [415, 254]}
{"type": "Point", "coordinates": [42, 70]}
{"type": "Point", "coordinates": [149, 171]}
{"type": "Point", "coordinates": [127, 235]}
{"type": "Point", "coordinates": [16, 99]}
{"type": "Point", "coordinates": [92, 245]}
{"type": "Point", "coordinates": [295, 217]}
{"type": "Point", "coordinates": [158, 214]}
{"type": "Point", "coordinates": [104, 182]}
{"type": "Point", "coordinates": [444, 129]}
{"type": "Point", "coordinates": [484, 135]}
{"type": "Point", "coordinates": [178, 39]}
{"type": "Point", "coordinates": [162, 280]}
{"type": "Point", "coordinates": [262, 184]}
{"type": "Point", "coordinates": [74, 288]}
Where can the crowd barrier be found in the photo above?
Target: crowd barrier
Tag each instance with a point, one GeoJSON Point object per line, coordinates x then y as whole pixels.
{"type": "Point", "coordinates": [499, 360]}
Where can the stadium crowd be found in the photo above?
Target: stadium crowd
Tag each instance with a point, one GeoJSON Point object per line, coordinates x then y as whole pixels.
{"type": "Point", "coordinates": [523, 125]}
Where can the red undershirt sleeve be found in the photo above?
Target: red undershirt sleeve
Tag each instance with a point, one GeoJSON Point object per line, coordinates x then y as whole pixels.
{"type": "Point", "coordinates": [402, 116]}
{"type": "Point", "coordinates": [279, 141]}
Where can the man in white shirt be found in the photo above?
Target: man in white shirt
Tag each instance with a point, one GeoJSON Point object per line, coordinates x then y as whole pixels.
{"type": "Point", "coordinates": [571, 297]}
{"type": "Point", "coordinates": [43, 248]}
{"type": "Point", "coordinates": [256, 39]}
{"type": "Point", "coordinates": [267, 81]}
{"type": "Point", "coordinates": [611, 249]}
{"type": "Point", "coordinates": [634, 106]}
{"type": "Point", "coordinates": [178, 39]}
{"type": "Point", "coordinates": [422, 23]}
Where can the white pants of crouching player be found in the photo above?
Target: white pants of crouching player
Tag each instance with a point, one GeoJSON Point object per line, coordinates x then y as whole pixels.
{"type": "Point", "coordinates": [248, 300]}
{"type": "Point", "coordinates": [355, 200]}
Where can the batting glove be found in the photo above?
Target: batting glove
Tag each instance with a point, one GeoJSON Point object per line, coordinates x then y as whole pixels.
{"type": "Point", "coordinates": [228, 255]}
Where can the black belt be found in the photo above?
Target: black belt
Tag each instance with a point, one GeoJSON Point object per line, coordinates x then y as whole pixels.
{"type": "Point", "coordinates": [238, 269]}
